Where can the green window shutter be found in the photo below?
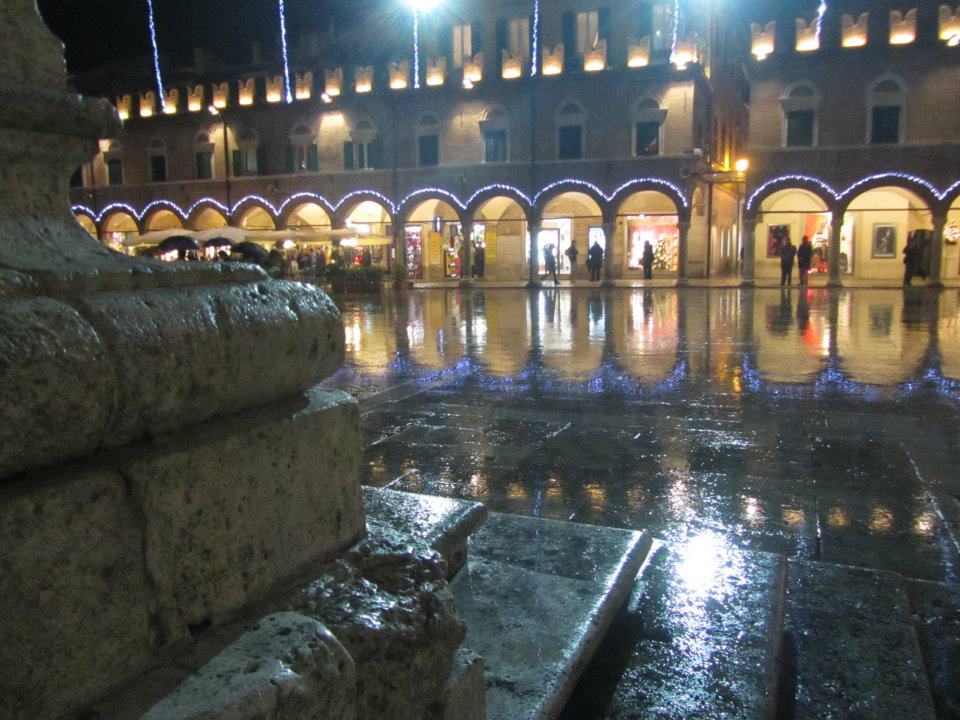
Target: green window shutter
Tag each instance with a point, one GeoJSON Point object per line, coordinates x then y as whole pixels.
{"type": "Point", "coordinates": [261, 162]}
{"type": "Point", "coordinates": [376, 154]}
{"type": "Point", "coordinates": [291, 160]}
{"type": "Point", "coordinates": [313, 159]}
{"type": "Point", "coordinates": [238, 168]}
{"type": "Point", "coordinates": [348, 163]}
{"type": "Point", "coordinates": [501, 40]}
{"type": "Point", "coordinates": [604, 23]}
{"type": "Point", "coordinates": [476, 37]}
{"type": "Point", "coordinates": [569, 41]}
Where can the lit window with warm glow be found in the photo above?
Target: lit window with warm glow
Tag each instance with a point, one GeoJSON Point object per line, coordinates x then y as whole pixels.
{"type": "Point", "coordinates": [854, 33]}
{"type": "Point", "coordinates": [511, 65]}
{"type": "Point", "coordinates": [950, 25]}
{"type": "Point", "coordinates": [221, 93]}
{"type": "Point", "coordinates": [436, 73]}
{"type": "Point", "coordinates": [684, 54]}
{"type": "Point", "coordinates": [148, 104]}
{"type": "Point", "coordinates": [333, 82]}
{"type": "Point", "coordinates": [364, 79]}
{"type": "Point", "coordinates": [275, 89]}
{"type": "Point", "coordinates": [903, 28]}
{"type": "Point", "coordinates": [595, 60]}
{"type": "Point", "coordinates": [638, 52]}
{"type": "Point", "coordinates": [195, 98]}
{"type": "Point", "coordinates": [473, 70]}
{"type": "Point", "coordinates": [246, 90]}
{"type": "Point", "coordinates": [552, 62]}
{"type": "Point", "coordinates": [762, 41]}
{"type": "Point", "coordinates": [124, 107]}
{"type": "Point", "coordinates": [399, 76]}
{"type": "Point", "coordinates": [303, 88]}
{"type": "Point", "coordinates": [171, 102]}
{"type": "Point", "coordinates": [808, 39]}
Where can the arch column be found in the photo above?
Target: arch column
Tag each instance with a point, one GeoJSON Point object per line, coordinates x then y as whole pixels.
{"type": "Point", "coordinates": [466, 250]}
{"type": "Point", "coordinates": [936, 252]}
{"type": "Point", "coordinates": [609, 232]}
{"type": "Point", "coordinates": [682, 252]}
{"type": "Point", "coordinates": [833, 252]}
{"type": "Point", "coordinates": [748, 247]}
{"type": "Point", "coordinates": [400, 247]}
{"type": "Point", "coordinates": [533, 227]}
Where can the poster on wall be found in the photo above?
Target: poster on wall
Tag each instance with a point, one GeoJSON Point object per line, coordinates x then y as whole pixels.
{"type": "Point", "coordinates": [777, 237]}
{"type": "Point", "coordinates": [884, 241]}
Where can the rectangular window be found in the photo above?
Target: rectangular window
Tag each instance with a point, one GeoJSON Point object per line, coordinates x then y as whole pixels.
{"type": "Point", "coordinates": [800, 128]}
{"type": "Point", "coordinates": [663, 26]}
{"type": "Point", "coordinates": [885, 129]}
{"type": "Point", "coordinates": [429, 150]}
{"type": "Point", "coordinates": [204, 165]}
{"type": "Point", "coordinates": [115, 171]}
{"type": "Point", "coordinates": [158, 168]}
{"type": "Point", "coordinates": [246, 162]}
{"type": "Point", "coordinates": [462, 44]}
{"type": "Point", "coordinates": [588, 31]}
{"type": "Point", "coordinates": [495, 146]}
{"type": "Point", "coordinates": [648, 139]}
{"type": "Point", "coordinates": [571, 142]}
{"type": "Point", "coordinates": [518, 36]}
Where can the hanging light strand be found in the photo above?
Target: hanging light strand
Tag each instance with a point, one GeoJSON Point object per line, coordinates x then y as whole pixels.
{"type": "Point", "coordinates": [535, 32]}
{"type": "Point", "coordinates": [152, 26]}
{"type": "Point", "coordinates": [821, 11]}
{"type": "Point", "coordinates": [416, 49]}
{"type": "Point", "coordinates": [283, 50]}
{"type": "Point", "coordinates": [676, 27]}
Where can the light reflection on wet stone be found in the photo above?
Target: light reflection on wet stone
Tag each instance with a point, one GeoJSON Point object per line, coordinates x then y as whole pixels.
{"type": "Point", "coordinates": [813, 424]}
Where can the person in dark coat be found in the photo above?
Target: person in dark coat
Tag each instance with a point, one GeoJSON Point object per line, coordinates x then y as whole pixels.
{"type": "Point", "coordinates": [911, 259]}
{"type": "Point", "coordinates": [647, 261]}
{"type": "Point", "coordinates": [572, 254]}
{"type": "Point", "coordinates": [366, 259]}
{"type": "Point", "coordinates": [787, 255]}
{"type": "Point", "coordinates": [479, 262]}
{"type": "Point", "coordinates": [595, 260]}
{"type": "Point", "coordinates": [550, 261]}
{"type": "Point", "coordinates": [804, 259]}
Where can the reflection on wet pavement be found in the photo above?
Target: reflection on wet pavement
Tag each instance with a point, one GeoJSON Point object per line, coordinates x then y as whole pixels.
{"type": "Point", "coordinates": [818, 425]}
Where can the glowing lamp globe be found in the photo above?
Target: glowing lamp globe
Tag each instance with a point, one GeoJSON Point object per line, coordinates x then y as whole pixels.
{"type": "Point", "coordinates": [422, 5]}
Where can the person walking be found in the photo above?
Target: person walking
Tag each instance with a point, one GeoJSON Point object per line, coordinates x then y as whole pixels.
{"type": "Point", "coordinates": [787, 255]}
{"type": "Point", "coordinates": [647, 261]}
{"type": "Point", "coordinates": [911, 259]}
{"type": "Point", "coordinates": [804, 259]}
{"type": "Point", "coordinates": [479, 262]}
{"type": "Point", "coordinates": [550, 261]}
{"type": "Point", "coordinates": [595, 260]}
{"type": "Point", "coordinates": [572, 254]}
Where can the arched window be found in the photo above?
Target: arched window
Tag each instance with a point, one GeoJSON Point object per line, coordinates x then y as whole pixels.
{"type": "Point", "coordinates": [203, 156]}
{"type": "Point", "coordinates": [495, 130]}
{"type": "Point", "coordinates": [886, 103]}
{"type": "Point", "coordinates": [648, 119]}
{"type": "Point", "coordinates": [158, 160]}
{"type": "Point", "coordinates": [801, 108]}
{"type": "Point", "coordinates": [113, 159]}
{"type": "Point", "coordinates": [303, 154]}
{"type": "Point", "coordinates": [570, 120]}
{"type": "Point", "coordinates": [428, 141]}
{"type": "Point", "coordinates": [248, 158]}
{"type": "Point", "coordinates": [364, 149]}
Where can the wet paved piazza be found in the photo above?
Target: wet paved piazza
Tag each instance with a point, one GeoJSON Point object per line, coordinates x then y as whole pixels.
{"type": "Point", "coordinates": [818, 425]}
{"type": "Point", "coordinates": [795, 452]}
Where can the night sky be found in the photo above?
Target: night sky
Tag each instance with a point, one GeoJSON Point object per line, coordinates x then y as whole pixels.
{"type": "Point", "coordinates": [104, 32]}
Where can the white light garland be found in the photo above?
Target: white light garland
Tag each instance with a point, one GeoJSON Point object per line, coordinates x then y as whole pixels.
{"type": "Point", "coordinates": [905, 177]}
{"type": "Point", "coordinates": [416, 49]}
{"type": "Point", "coordinates": [821, 12]}
{"type": "Point", "coordinates": [318, 199]}
{"type": "Point", "coordinates": [509, 189]}
{"type": "Point", "coordinates": [535, 31]}
{"type": "Point", "coordinates": [387, 203]}
{"type": "Point", "coordinates": [786, 181]}
{"type": "Point", "coordinates": [151, 25]}
{"type": "Point", "coordinates": [208, 201]}
{"type": "Point", "coordinates": [283, 49]}
{"type": "Point", "coordinates": [433, 193]}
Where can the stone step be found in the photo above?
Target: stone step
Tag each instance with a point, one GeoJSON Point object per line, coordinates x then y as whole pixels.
{"type": "Point", "coordinates": [936, 619]}
{"type": "Point", "coordinates": [850, 646]}
{"type": "Point", "coordinates": [444, 524]}
{"type": "Point", "coordinates": [710, 641]}
{"type": "Point", "coordinates": [537, 597]}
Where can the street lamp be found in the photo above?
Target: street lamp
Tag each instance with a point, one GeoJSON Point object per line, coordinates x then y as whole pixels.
{"type": "Point", "coordinates": [418, 6]}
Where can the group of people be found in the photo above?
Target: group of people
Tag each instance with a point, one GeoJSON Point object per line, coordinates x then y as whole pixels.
{"type": "Point", "coordinates": [595, 255]}
{"type": "Point", "coordinates": [803, 255]}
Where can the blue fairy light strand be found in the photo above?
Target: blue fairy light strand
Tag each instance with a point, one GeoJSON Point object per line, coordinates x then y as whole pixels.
{"type": "Point", "coordinates": [151, 24]}
{"type": "Point", "coordinates": [283, 50]}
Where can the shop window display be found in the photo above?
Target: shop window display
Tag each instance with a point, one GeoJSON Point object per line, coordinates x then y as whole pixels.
{"type": "Point", "coordinates": [816, 226]}
{"type": "Point", "coordinates": [414, 236]}
{"type": "Point", "coordinates": [662, 233]}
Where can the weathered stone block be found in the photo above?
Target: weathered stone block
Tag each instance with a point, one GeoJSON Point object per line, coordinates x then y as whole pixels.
{"type": "Point", "coordinates": [464, 697]}
{"type": "Point", "coordinates": [288, 667]}
{"type": "Point", "coordinates": [52, 367]}
{"type": "Point", "coordinates": [247, 502]}
{"type": "Point", "coordinates": [387, 601]}
{"type": "Point", "coordinates": [76, 602]}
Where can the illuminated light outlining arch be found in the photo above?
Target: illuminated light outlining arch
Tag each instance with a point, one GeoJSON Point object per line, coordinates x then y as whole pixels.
{"type": "Point", "coordinates": [387, 203]}
{"type": "Point", "coordinates": [433, 192]}
{"type": "Point", "coordinates": [318, 199]}
{"type": "Point", "coordinates": [952, 190]}
{"type": "Point", "coordinates": [785, 180]}
{"type": "Point", "coordinates": [509, 189]}
{"type": "Point", "coordinates": [164, 204]}
{"type": "Point", "coordinates": [152, 27]}
{"type": "Point", "coordinates": [652, 181]}
{"type": "Point", "coordinates": [208, 201]}
{"type": "Point", "coordinates": [880, 177]}
{"type": "Point", "coordinates": [649, 184]}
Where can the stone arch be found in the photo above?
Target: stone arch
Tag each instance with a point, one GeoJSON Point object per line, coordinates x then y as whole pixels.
{"type": "Point", "coordinates": [207, 216]}
{"type": "Point", "coordinates": [119, 225]}
{"type": "Point", "coordinates": [161, 218]}
{"type": "Point", "coordinates": [824, 192]}
{"type": "Point", "coordinates": [504, 219]}
{"type": "Point", "coordinates": [911, 183]}
{"type": "Point", "coordinates": [416, 199]}
{"type": "Point", "coordinates": [562, 187]}
{"type": "Point", "coordinates": [349, 203]}
{"type": "Point", "coordinates": [442, 232]}
{"type": "Point", "coordinates": [306, 213]}
{"type": "Point", "coordinates": [251, 214]}
{"type": "Point", "coordinates": [793, 211]}
{"type": "Point", "coordinates": [656, 185]}
{"type": "Point", "coordinates": [483, 195]}
{"type": "Point", "coordinates": [648, 215]}
{"type": "Point", "coordinates": [87, 222]}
